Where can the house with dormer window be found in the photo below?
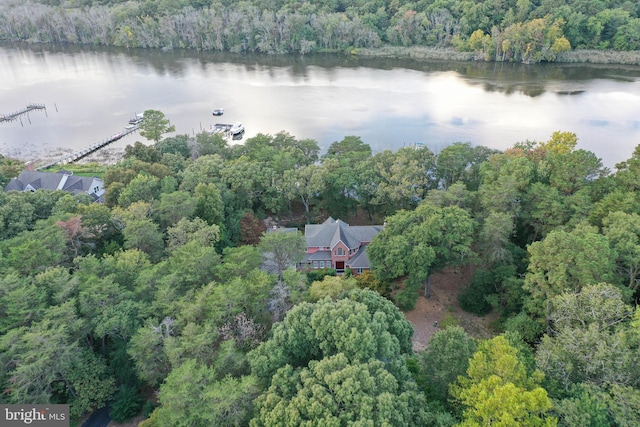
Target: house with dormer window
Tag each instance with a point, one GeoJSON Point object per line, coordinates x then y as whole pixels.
{"type": "Point", "coordinates": [30, 180]}
{"type": "Point", "coordinates": [335, 244]}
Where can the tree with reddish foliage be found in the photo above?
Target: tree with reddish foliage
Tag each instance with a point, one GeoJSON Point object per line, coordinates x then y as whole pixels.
{"type": "Point", "coordinates": [75, 230]}
{"type": "Point", "coordinates": [251, 229]}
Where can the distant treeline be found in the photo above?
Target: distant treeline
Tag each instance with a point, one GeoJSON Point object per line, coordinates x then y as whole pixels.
{"type": "Point", "coordinates": [501, 30]}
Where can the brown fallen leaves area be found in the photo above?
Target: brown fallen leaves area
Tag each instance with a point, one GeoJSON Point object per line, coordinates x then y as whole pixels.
{"type": "Point", "coordinates": [443, 306]}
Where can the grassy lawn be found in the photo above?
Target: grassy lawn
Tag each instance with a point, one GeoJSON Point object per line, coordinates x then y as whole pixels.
{"type": "Point", "coordinates": [85, 169]}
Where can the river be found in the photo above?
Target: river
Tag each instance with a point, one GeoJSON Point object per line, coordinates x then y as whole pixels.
{"type": "Point", "coordinates": [90, 94]}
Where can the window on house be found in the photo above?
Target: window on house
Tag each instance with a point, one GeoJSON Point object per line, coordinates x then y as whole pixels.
{"type": "Point", "coordinates": [321, 264]}
{"type": "Point", "coordinates": [315, 264]}
{"type": "Point", "coordinates": [340, 251]}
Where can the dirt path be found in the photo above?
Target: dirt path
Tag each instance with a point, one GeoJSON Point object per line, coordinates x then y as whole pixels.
{"type": "Point", "coordinates": [442, 306]}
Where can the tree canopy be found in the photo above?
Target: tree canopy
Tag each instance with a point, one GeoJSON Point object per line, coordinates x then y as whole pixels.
{"type": "Point", "coordinates": [520, 31]}
{"type": "Point", "coordinates": [172, 286]}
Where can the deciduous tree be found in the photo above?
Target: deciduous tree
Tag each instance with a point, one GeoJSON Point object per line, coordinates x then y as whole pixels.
{"type": "Point", "coordinates": [590, 341]}
{"type": "Point", "coordinates": [337, 391]}
{"type": "Point", "coordinates": [172, 207]}
{"type": "Point", "coordinates": [498, 390]}
{"type": "Point", "coordinates": [179, 144]}
{"type": "Point", "coordinates": [194, 396]}
{"type": "Point", "coordinates": [416, 243]}
{"type": "Point", "coordinates": [305, 183]}
{"type": "Point", "coordinates": [154, 125]}
{"type": "Point", "coordinates": [446, 357]}
{"type": "Point", "coordinates": [282, 250]}
{"type": "Point", "coordinates": [361, 325]}
{"type": "Point", "coordinates": [567, 261]}
{"type": "Point", "coordinates": [623, 231]}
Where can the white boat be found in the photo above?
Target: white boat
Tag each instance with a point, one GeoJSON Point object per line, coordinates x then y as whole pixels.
{"type": "Point", "coordinates": [236, 128]}
{"type": "Point", "coordinates": [218, 111]}
{"type": "Point", "coordinates": [137, 119]}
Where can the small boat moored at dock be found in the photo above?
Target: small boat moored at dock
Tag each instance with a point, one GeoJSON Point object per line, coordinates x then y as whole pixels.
{"type": "Point", "coordinates": [237, 128]}
{"type": "Point", "coordinates": [137, 119]}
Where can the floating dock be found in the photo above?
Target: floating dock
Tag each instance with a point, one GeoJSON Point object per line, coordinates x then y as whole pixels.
{"type": "Point", "coordinates": [14, 116]}
{"type": "Point", "coordinates": [221, 128]}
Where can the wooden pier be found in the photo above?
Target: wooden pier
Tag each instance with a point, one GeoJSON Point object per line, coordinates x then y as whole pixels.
{"type": "Point", "coordinates": [14, 116]}
{"type": "Point", "coordinates": [70, 158]}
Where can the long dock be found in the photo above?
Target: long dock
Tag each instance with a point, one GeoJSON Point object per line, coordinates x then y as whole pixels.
{"type": "Point", "coordinates": [70, 158]}
{"type": "Point", "coordinates": [14, 116]}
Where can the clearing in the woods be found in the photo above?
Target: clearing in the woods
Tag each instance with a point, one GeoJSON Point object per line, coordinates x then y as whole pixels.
{"type": "Point", "coordinates": [443, 307]}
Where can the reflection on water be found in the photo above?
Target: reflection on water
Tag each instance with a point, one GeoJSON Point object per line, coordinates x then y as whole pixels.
{"type": "Point", "coordinates": [388, 102]}
{"type": "Point", "coordinates": [570, 92]}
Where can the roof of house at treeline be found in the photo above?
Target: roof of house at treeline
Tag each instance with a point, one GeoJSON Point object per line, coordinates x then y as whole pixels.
{"type": "Point", "coordinates": [61, 180]}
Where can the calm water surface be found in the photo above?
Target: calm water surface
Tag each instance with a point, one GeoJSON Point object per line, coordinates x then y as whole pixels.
{"type": "Point", "coordinates": [91, 94]}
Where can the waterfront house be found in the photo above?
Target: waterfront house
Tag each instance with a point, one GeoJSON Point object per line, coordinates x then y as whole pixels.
{"type": "Point", "coordinates": [335, 244]}
{"type": "Point", "coordinates": [30, 180]}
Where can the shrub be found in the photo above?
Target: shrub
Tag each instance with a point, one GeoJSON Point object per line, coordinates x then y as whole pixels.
{"type": "Point", "coordinates": [367, 280]}
{"type": "Point", "coordinates": [473, 298]}
{"type": "Point", "coordinates": [406, 299]}
{"type": "Point", "coordinates": [148, 408]}
{"type": "Point", "coordinates": [318, 275]}
{"type": "Point", "coordinates": [331, 287]}
{"type": "Point", "coordinates": [448, 321]}
{"type": "Point", "coordinates": [529, 329]}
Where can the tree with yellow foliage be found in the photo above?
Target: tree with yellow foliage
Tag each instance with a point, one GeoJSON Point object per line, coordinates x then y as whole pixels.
{"type": "Point", "coordinates": [561, 142]}
{"type": "Point", "coordinates": [498, 390]}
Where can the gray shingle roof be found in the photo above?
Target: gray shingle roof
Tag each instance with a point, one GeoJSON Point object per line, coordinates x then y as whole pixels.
{"type": "Point", "coordinates": [14, 185]}
{"type": "Point", "coordinates": [330, 232]}
{"type": "Point", "coordinates": [319, 256]}
{"type": "Point", "coordinates": [360, 260]}
{"type": "Point", "coordinates": [61, 180]}
{"type": "Point", "coordinates": [74, 185]}
{"type": "Point", "coordinates": [37, 180]}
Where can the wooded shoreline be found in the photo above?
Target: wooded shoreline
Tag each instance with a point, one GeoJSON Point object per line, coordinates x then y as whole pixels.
{"type": "Point", "coordinates": [490, 31]}
{"type": "Point", "coordinates": [580, 56]}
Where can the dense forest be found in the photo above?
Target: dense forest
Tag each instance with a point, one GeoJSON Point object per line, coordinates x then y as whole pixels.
{"type": "Point", "coordinates": [170, 298]}
{"type": "Point", "coordinates": [502, 30]}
